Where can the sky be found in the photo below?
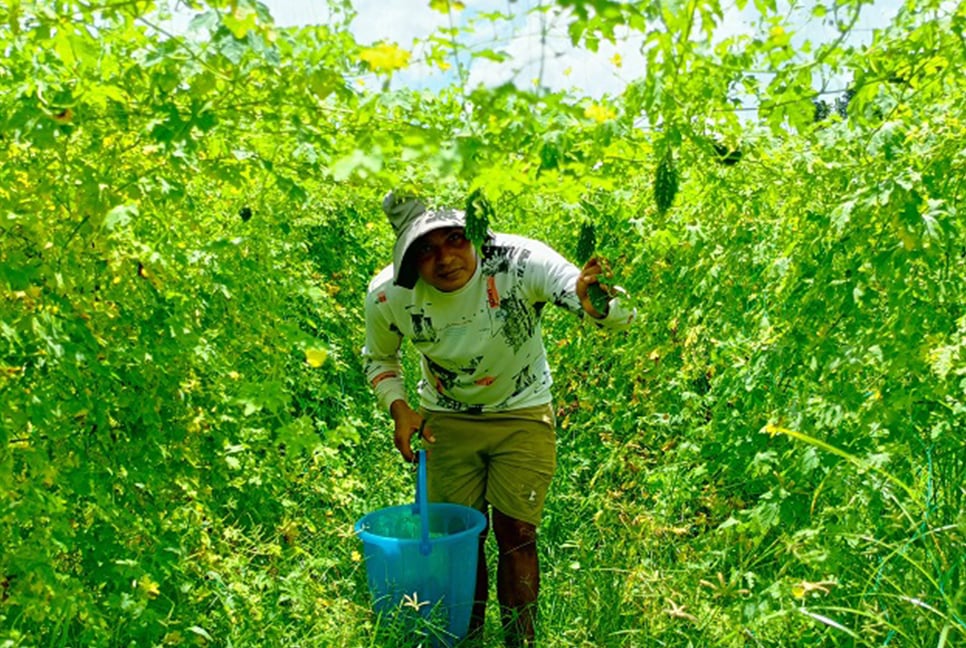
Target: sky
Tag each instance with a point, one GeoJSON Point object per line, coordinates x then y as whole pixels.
{"type": "Point", "coordinates": [406, 22]}
{"type": "Point", "coordinates": [536, 43]}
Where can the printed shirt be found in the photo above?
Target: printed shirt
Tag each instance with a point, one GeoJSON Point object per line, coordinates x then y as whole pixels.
{"type": "Point", "coordinates": [481, 345]}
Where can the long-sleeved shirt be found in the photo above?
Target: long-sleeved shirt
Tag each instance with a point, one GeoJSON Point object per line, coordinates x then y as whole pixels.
{"type": "Point", "coordinates": [481, 345]}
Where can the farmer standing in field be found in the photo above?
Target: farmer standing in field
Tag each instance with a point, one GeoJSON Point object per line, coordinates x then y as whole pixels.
{"type": "Point", "coordinates": [484, 397]}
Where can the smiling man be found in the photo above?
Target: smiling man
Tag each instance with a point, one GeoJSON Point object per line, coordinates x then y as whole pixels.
{"type": "Point", "coordinates": [484, 393]}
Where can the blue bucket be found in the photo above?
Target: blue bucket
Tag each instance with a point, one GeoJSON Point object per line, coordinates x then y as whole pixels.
{"type": "Point", "coordinates": [422, 557]}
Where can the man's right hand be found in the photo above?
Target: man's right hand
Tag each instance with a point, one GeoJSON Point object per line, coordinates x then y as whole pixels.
{"type": "Point", "coordinates": [408, 424]}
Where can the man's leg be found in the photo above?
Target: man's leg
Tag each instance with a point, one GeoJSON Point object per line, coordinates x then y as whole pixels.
{"type": "Point", "coordinates": [478, 616]}
{"type": "Point", "coordinates": [517, 578]}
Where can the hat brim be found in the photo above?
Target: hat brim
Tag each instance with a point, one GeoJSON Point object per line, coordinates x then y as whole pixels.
{"type": "Point", "coordinates": [404, 274]}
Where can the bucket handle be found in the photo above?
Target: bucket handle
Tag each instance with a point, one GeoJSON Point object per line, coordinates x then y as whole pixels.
{"type": "Point", "coordinates": [421, 506]}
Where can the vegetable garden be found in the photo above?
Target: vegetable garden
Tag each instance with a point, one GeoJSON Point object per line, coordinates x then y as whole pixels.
{"type": "Point", "coordinates": [773, 455]}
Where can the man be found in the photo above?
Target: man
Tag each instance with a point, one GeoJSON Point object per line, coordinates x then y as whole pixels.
{"type": "Point", "coordinates": [485, 403]}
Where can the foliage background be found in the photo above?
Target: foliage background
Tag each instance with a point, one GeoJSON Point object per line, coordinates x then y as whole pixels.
{"type": "Point", "coordinates": [773, 455]}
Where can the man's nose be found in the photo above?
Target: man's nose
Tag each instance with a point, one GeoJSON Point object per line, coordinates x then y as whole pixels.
{"type": "Point", "coordinates": [443, 254]}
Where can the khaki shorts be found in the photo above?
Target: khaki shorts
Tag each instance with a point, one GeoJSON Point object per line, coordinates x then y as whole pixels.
{"type": "Point", "coordinates": [505, 459]}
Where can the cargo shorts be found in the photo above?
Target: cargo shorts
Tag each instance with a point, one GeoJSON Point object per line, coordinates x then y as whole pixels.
{"type": "Point", "coordinates": [504, 459]}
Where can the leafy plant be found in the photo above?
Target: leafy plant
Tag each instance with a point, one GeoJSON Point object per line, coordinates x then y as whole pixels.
{"type": "Point", "coordinates": [771, 456]}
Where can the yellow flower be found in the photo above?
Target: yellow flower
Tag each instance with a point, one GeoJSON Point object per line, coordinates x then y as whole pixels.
{"type": "Point", "coordinates": [599, 113]}
{"type": "Point", "coordinates": [385, 57]}
{"type": "Point", "coordinates": [445, 6]}
{"type": "Point", "coordinates": [779, 36]}
{"type": "Point", "coordinates": [316, 357]}
{"type": "Point", "coordinates": [148, 587]}
{"type": "Point", "coordinates": [355, 556]}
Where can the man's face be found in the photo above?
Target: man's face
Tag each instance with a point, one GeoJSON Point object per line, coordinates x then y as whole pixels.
{"type": "Point", "coordinates": [444, 258]}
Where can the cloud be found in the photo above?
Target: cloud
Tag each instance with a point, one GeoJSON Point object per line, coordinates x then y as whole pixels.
{"type": "Point", "coordinates": [540, 52]}
{"type": "Point", "coordinates": [399, 22]}
{"type": "Point", "coordinates": [295, 13]}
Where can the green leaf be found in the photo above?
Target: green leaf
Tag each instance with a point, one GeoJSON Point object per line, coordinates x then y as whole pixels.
{"type": "Point", "coordinates": [119, 217]}
{"type": "Point", "coordinates": [299, 435]}
{"type": "Point", "coordinates": [491, 55]}
{"type": "Point", "coordinates": [201, 632]}
{"type": "Point", "coordinates": [241, 20]}
{"type": "Point", "coordinates": [356, 163]}
{"type": "Point", "coordinates": [204, 21]}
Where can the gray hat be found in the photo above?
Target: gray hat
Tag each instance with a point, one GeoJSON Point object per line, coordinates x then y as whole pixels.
{"type": "Point", "coordinates": [410, 219]}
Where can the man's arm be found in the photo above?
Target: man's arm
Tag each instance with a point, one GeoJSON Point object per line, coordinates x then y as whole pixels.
{"type": "Point", "coordinates": [553, 278]}
{"type": "Point", "coordinates": [409, 423]}
{"type": "Point", "coordinates": [383, 369]}
{"type": "Point", "coordinates": [590, 275]}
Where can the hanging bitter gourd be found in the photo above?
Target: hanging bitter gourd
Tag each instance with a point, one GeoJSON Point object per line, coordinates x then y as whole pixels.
{"type": "Point", "coordinates": [586, 242]}
{"type": "Point", "coordinates": [665, 182]}
{"type": "Point", "coordinates": [478, 214]}
{"type": "Point", "coordinates": [586, 245]}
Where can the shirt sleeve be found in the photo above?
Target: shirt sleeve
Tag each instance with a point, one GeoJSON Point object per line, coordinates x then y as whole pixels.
{"type": "Point", "coordinates": [381, 358]}
{"type": "Point", "coordinates": [550, 277]}
{"type": "Point", "coordinates": [619, 316]}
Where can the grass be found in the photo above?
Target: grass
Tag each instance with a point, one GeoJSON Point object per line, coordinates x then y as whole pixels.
{"type": "Point", "coordinates": [634, 561]}
{"type": "Point", "coordinates": [638, 547]}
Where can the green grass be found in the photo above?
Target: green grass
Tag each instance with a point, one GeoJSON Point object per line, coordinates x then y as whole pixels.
{"type": "Point", "coordinates": [624, 563]}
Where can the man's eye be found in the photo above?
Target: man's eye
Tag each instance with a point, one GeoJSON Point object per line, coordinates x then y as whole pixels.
{"type": "Point", "coordinates": [457, 237]}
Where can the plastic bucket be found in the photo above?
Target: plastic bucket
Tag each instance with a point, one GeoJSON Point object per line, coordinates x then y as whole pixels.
{"type": "Point", "coordinates": [422, 558]}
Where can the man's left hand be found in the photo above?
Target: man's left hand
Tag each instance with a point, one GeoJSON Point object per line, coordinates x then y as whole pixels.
{"type": "Point", "coordinates": [590, 275]}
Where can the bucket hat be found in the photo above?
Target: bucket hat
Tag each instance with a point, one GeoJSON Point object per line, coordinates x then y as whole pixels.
{"type": "Point", "coordinates": [410, 219]}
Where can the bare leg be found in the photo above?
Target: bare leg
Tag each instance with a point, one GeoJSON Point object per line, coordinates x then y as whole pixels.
{"type": "Point", "coordinates": [517, 578]}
